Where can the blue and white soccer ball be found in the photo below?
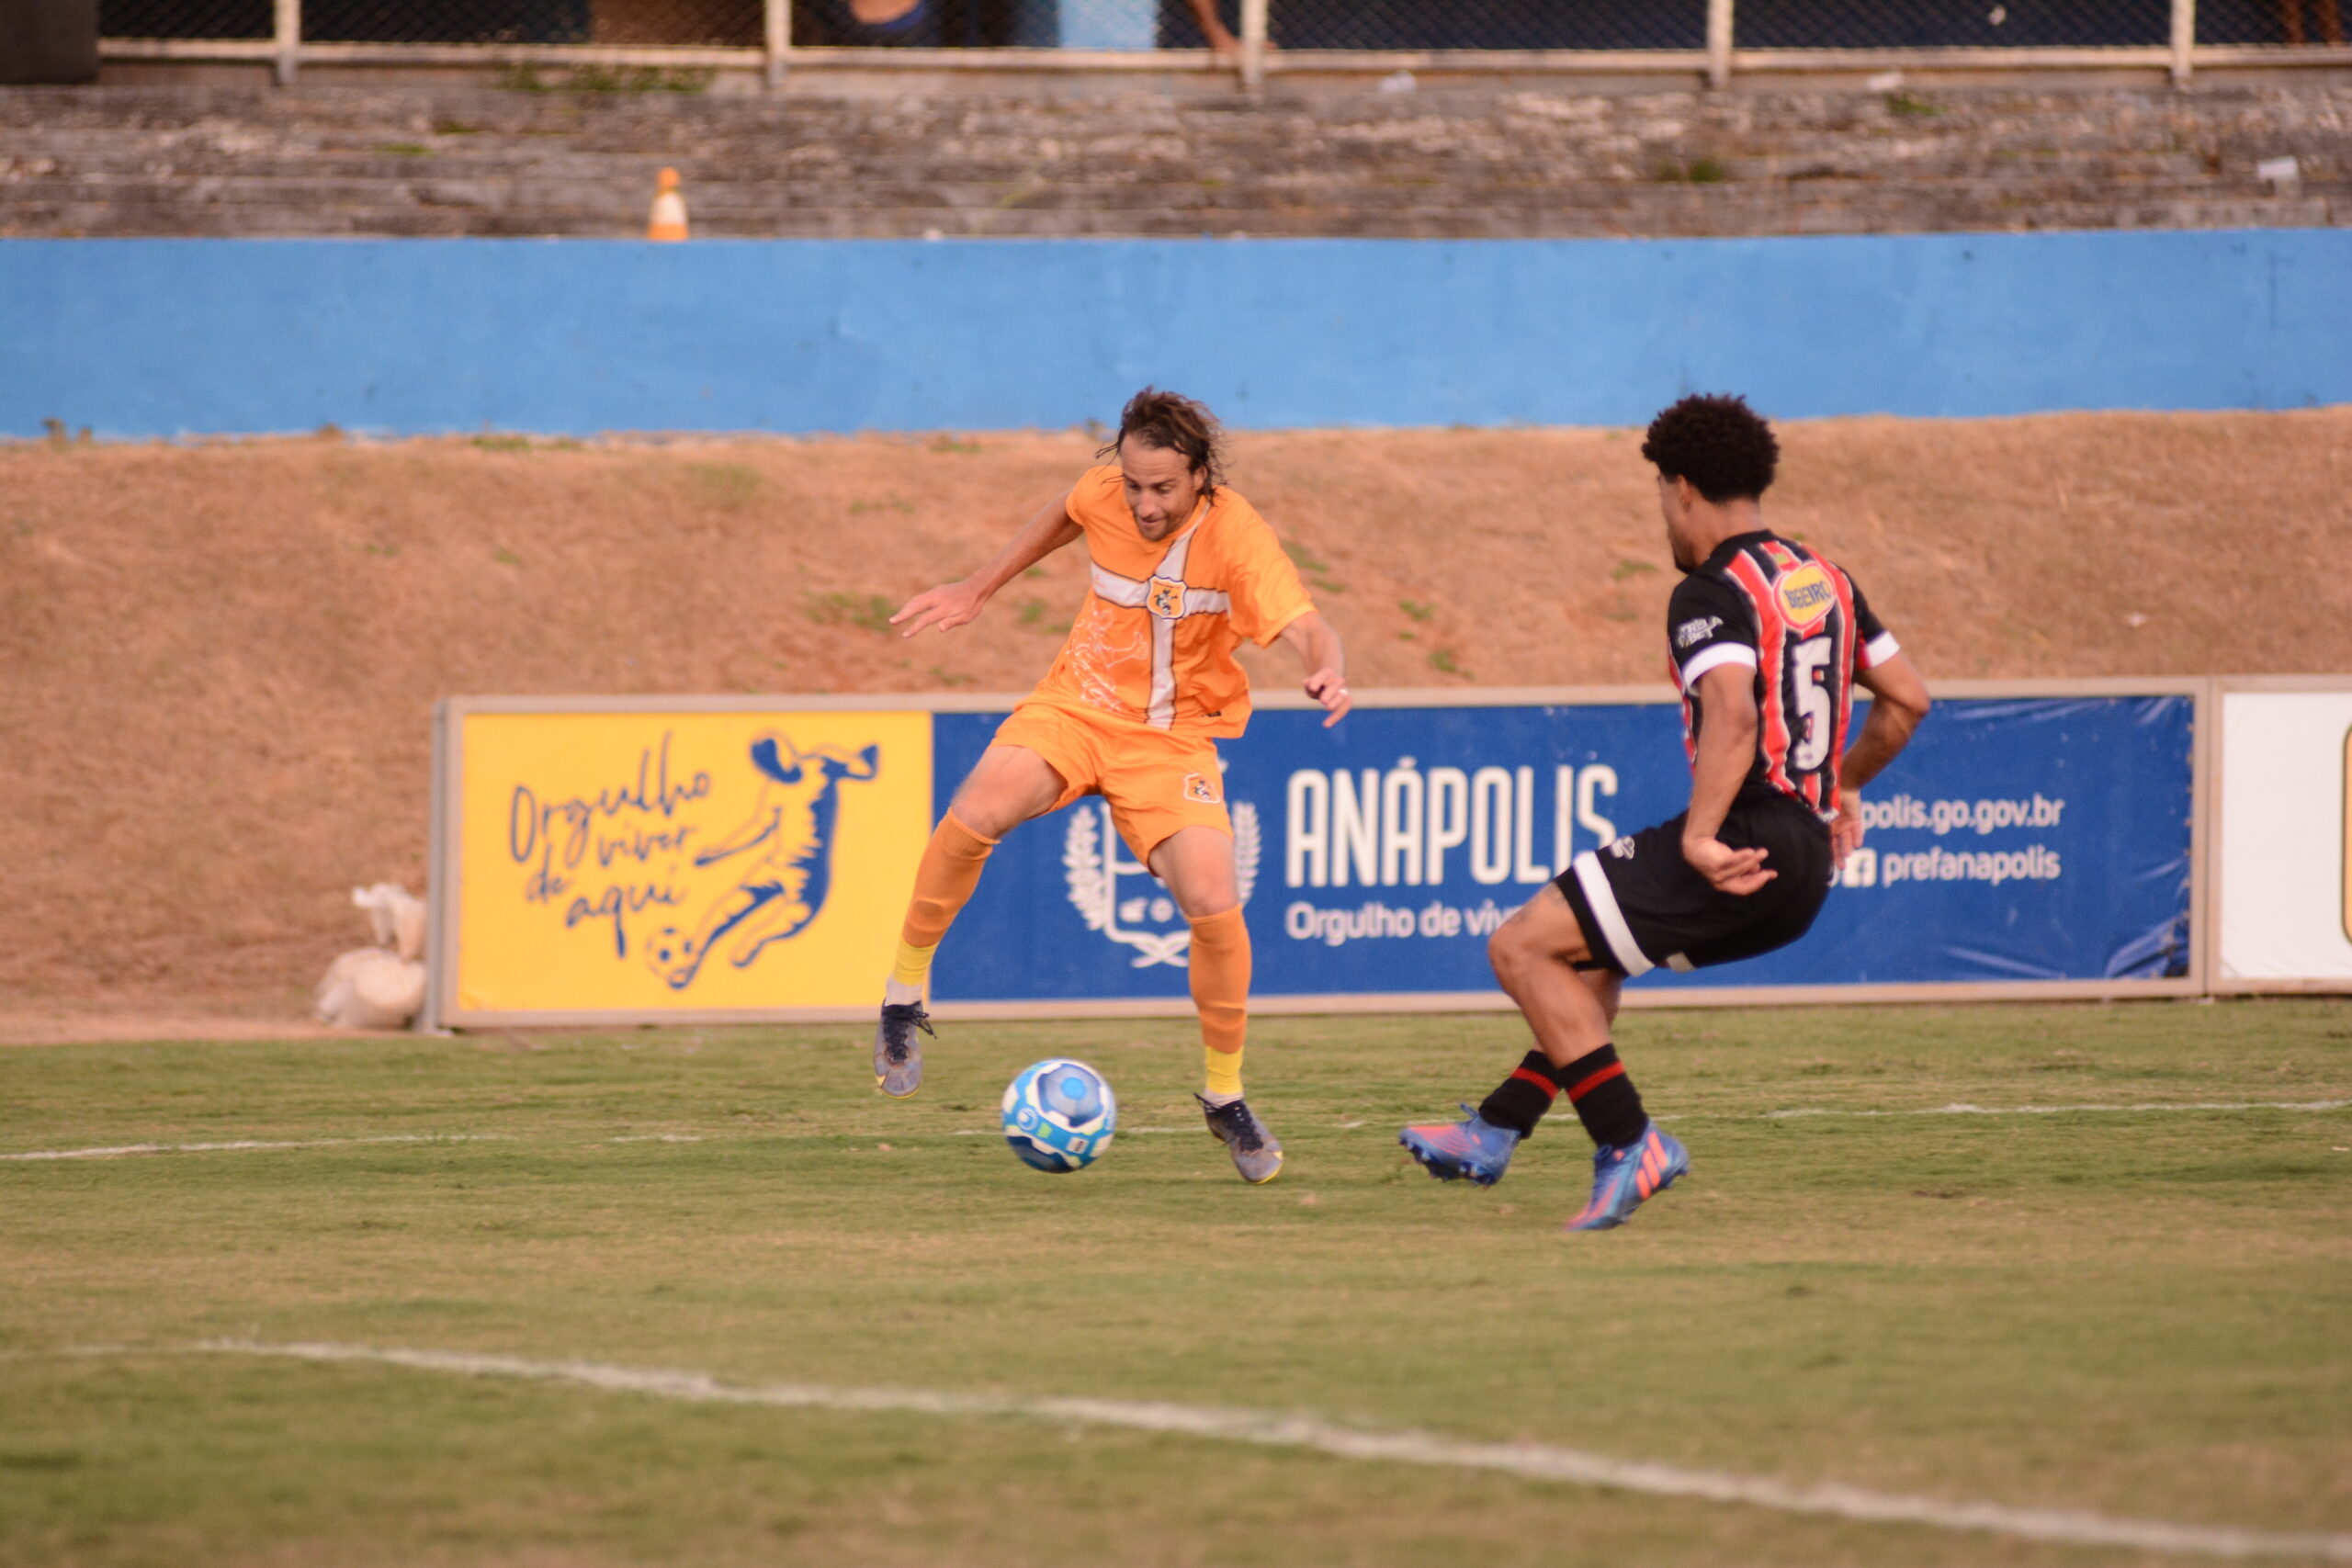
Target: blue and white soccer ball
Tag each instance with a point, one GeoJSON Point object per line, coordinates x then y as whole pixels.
{"type": "Point", "coordinates": [1059, 1115]}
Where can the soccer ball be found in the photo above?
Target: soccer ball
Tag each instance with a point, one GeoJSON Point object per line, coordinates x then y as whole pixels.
{"type": "Point", "coordinates": [1058, 1115]}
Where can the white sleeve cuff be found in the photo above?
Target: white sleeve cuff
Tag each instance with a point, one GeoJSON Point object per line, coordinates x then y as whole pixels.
{"type": "Point", "coordinates": [1878, 649]}
{"type": "Point", "coordinates": [1714, 657]}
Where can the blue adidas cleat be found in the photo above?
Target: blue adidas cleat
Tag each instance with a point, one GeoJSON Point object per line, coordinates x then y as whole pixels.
{"type": "Point", "coordinates": [1624, 1174]}
{"type": "Point", "coordinates": [1451, 1151]}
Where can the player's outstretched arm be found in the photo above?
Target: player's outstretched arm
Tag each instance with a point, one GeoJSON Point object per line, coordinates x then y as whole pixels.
{"type": "Point", "coordinates": [951, 604]}
{"type": "Point", "coordinates": [1325, 663]}
{"type": "Point", "coordinates": [1727, 746]}
{"type": "Point", "coordinates": [1899, 701]}
{"type": "Point", "coordinates": [755, 830]}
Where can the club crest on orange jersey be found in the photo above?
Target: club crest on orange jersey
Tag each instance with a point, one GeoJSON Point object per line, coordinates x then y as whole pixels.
{"type": "Point", "coordinates": [1201, 787]}
{"type": "Point", "coordinates": [1806, 598]}
{"type": "Point", "coordinates": [1164, 597]}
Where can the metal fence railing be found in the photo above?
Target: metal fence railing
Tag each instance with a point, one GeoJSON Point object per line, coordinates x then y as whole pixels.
{"type": "Point", "coordinates": [1715, 39]}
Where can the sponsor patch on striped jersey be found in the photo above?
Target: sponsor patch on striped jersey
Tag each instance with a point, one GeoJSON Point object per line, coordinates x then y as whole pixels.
{"type": "Point", "coordinates": [1806, 598]}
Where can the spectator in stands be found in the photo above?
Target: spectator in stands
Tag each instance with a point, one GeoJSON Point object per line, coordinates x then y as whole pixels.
{"type": "Point", "coordinates": [1118, 24]}
{"type": "Point", "coordinates": [1220, 39]}
{"type": "Point", "coordinates": [923, 24]}
{"type": "Point", "coordinates": [2330, 20]}
{"type": "Point", "coordinates": [903, 24]}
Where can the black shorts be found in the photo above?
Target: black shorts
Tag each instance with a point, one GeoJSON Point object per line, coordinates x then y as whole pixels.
{"type": "Point", "coordinates": [1641, 905]}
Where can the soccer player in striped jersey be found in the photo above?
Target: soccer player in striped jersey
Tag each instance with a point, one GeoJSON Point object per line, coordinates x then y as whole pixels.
{"type": "Point", "coordinates": [1765, 641]}
{"type": "Point", "coordinates": [1183, 569]}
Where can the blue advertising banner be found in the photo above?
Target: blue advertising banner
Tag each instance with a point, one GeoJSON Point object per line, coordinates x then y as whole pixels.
{"type": "Point", "coordinates": [2017, 839]}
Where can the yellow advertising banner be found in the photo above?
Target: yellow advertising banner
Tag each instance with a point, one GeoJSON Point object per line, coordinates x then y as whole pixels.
{"type": "Point", "coordinates": [685, 861]}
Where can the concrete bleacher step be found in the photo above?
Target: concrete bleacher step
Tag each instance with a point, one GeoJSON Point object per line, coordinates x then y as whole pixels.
{"type": "Point", "coordinates": [441, 160]}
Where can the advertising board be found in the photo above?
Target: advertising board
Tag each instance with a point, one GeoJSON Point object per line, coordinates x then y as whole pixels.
{"type": "Point", "coordinates": [2035, 840]}
{"type": "Point", "coordinates": [611, 859]}
{"type": "Point", "coordinates": [2283, 851]}
{"type": "Point", "coordinates": [656, 862]}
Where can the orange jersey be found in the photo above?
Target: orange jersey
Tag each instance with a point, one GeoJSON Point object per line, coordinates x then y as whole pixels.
{"type": "Point", "coordinates": [1153, 644]}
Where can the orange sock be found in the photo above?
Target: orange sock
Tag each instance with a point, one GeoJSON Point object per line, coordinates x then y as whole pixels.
{"type": "Point", "coordinates": [1220, 974]}
{"type": "Point", "coordinates": [944, 883]}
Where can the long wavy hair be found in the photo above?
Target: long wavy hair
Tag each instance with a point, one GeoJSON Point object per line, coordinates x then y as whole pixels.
{"type": "Point", "coordinates": [1173, 422]}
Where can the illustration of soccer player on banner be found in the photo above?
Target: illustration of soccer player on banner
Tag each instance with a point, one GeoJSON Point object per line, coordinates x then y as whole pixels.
{"type": "Point", "coordinates": [781, 888]}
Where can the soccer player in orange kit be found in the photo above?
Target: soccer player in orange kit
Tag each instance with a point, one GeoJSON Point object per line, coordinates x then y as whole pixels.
{"type": "Point", "coordinates": [1183, 569]}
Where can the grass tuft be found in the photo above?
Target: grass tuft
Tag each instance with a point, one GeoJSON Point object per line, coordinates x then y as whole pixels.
{"type": "Point", "coordinates": [871, 610]}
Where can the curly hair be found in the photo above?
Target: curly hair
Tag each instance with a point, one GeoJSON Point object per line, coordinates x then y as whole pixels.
{"type": "Point", "coordinates": [1174, 423]}
{"type": "Point", "coordinates": [1724, 448]}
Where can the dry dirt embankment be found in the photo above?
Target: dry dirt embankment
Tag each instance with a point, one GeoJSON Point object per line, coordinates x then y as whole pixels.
{"type": "Point", "coordinates": [217, 662]}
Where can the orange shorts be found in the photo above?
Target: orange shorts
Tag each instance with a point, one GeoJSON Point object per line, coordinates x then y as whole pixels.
{"type": "Point", "coordinates": [1154, 781]}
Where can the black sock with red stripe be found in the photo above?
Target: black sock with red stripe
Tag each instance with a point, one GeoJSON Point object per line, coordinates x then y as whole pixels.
{"type": "Point", "coordinates": [1606, 1100]}
{"type": "Point", "coordinates": [1519, 1101]}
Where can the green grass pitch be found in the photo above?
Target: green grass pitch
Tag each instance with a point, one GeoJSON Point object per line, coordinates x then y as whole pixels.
{"type": "Point", "coordinates": [2146, 1313]}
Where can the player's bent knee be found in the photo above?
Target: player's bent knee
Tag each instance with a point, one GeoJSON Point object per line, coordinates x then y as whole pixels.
{"type": "Point", "coordinates": [979, 813]}
{"type": "Point", "coordinates": [1203, 896]}
{"type": "Point", "coordinates": [1509, 953]}
{"type": "Point", "coordinates": [1196, 863]}
{"type": "Point", "coordinates": [1546, 931]}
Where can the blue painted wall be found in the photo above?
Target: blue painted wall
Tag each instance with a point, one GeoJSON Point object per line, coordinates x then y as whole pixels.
{"type": "Point", "coordinates": [167, 337]}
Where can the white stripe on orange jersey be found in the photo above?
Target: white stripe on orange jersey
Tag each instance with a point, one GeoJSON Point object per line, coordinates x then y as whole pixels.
{"type": "Point", "coordinates": [1129, 594]}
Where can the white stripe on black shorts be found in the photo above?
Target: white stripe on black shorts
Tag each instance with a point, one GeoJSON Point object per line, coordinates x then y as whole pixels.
{"type": "Point", "coordinates": [1643, 905]}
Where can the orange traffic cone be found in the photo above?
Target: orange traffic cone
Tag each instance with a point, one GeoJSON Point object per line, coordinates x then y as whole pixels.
{"type": "Point", "coordinates": [669, 221]}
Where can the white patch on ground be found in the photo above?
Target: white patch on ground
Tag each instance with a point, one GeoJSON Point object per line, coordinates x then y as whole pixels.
{"type": "Point", "coordinates": [1535, 1461]}
{"type": "Point", "coordinates": [249, 1145]}
{"type": "Point", "coordinates": [1964, 1109]}
{"type": "Point", "coordinates": [659, 1138]}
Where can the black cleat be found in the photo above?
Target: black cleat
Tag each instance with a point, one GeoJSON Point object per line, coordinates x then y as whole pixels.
{"type": "Point", "coordinates": [898, 1055]}
{"type": "Point", "coordinates": [1256, 1153]}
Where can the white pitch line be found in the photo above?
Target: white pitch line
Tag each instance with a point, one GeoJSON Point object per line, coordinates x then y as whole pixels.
{"type": "Point", "coordinates": [247, 1145]}
{"type": "Point", "coordinates": [1967, 1109]}
{"type": "Point", "coordinates": [244, 1145]}
{"type": "Point", "coordinates": [1535, 1461]}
